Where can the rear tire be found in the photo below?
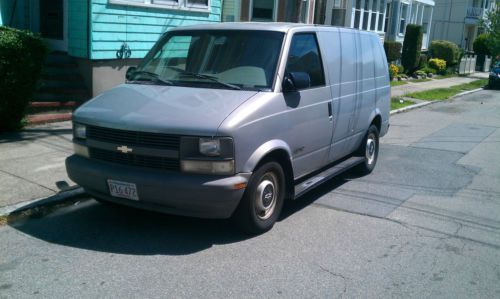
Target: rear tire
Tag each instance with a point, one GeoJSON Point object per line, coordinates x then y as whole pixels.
{"type": "Point", "coordinates": [263, 199]}
{"type": "Point", "coordinates": [369, 149]}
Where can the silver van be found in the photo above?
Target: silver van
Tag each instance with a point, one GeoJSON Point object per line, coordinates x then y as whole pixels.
{"type": "Point", "coordinates": [232, 119]}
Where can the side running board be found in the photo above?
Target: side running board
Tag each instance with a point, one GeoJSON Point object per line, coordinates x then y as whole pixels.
{"type": "Point", "coordinates": [323, 176]}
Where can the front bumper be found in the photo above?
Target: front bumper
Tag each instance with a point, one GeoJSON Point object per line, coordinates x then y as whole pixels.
{"type": "Point", "coordinates": [204, 196]}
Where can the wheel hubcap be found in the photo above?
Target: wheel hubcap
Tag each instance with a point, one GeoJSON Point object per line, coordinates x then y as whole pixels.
{"type": "Point", "coordinates": [265, 197]}
{"type": "Point", "coordinates": [370, 149]}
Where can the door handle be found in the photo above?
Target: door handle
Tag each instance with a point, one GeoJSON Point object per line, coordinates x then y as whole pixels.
{"type": "Point", "coordinates": [330, 115]}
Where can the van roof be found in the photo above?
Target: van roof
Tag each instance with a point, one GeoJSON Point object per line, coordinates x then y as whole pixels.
{"type": "Point", "coordinates": [268, 26]}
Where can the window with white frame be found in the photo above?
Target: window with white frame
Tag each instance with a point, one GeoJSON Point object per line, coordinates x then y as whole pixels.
{"type": "Point", "coordinates": [171, 4]}
{"type": "Point", "coordinates": [381, 11]}
{"type": "Point", "coordinates": [402, 18]}
{"type": "Point", "coordinates": [366, 14]}
{"type": "Point", "coordinates": [357, 14]}
{"type": "Point", "coordinates": [387, 14]}
{"type": "Point", "coordinates": [373, 20]}
{"type": "Point", "coordinates": [338, 12]}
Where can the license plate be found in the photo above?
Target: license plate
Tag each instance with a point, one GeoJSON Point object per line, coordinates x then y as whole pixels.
{"type": "Point", "coordinates": [123, 189]}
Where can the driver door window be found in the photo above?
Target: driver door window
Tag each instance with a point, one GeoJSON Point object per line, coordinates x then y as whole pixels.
{"type": "Point", "coordinates": [304, 56]}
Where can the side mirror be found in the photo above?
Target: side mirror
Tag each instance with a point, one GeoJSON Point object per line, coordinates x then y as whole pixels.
{"type": "Point", "coordinates": [295, 81]}
{"type": "Point", "coordinates": [130, 73]}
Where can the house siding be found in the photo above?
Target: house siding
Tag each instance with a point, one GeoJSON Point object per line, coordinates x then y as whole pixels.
{"type": "Point", "coordinates": [78, 23]}
{"type": "Point", "coordinates": [139, 27]}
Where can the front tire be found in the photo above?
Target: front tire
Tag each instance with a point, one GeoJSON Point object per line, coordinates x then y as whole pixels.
{"type": "Point", "coordinates": [369, 149]}
{"type": "Point", "coordinates": [263, 199]}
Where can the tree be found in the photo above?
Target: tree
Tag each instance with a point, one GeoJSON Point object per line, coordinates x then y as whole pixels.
{"type": "Point", "coordinates": [412, 45]}
{"type": "Point", "coordinates": [491, 26]}
{"type": "Point", "coordinates": [481, 44]}
{"type": "Point", "coordinates": [482, 48]}
{"type": "Point", "coordinates": [392, 50]}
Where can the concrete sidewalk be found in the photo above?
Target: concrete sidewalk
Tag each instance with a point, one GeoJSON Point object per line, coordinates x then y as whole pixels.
{"type": "Point", "coordinates": [401, 90]}
{"type": "Point", "coordinates": [32, 160]}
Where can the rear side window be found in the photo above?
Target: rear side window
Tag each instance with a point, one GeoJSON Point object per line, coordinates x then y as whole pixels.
{"type": "Point", "coordinates": [304, 57]}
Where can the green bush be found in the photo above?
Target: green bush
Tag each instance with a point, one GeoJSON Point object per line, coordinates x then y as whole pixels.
{"type": "Point", "coordinates": [401, 69]}
{"type": "Point", "coordinates": [445, 50]}
{"type": "Point", "coordinates": [428, 70]}
{"type": "Point", "coordinates": [438, 64]}
{"type": "Point", "coordinates": [21, 58]}
{"type": "Point", "coordinates": [412, 45]}
{"type": "Point", "coordinates": [392, 51]}
{"type": "Point", "coordinates": [482, 48]}
{"type": "Point", "coordinates": [420, 73]}
{"type": "Point", "coordinates": [481, 44]}
{"type": "Point", "coordinates": [422, 61]}
{"type": "Point", "coordinates": [393, 71]}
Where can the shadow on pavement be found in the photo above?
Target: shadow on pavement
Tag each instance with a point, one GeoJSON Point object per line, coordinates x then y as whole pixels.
{"type": "Point", "coordinates": [29, 134]}
{"type": "Point", "coordinates": [122, 230]}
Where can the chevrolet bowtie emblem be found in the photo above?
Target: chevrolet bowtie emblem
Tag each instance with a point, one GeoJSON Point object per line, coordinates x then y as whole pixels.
{"type": "Point", "coordinates": [124, 149]}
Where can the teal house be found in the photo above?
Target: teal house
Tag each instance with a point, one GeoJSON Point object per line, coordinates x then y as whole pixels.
{"type": "Point", "coordinates": [103, 37]}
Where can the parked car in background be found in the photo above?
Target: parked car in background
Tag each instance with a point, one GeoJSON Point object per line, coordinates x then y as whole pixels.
{"type": "Point", "coordinates": [230, 120]}
{"type": "Point", "coordinates": [494, 78]}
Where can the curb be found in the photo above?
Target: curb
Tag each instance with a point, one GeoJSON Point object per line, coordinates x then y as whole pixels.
{"type": "Point", "coordinates": [38, 119]}
{"type": "Point", "coordinates": [466, 93]}
{"type": "Point", "coordinates": [415, 106]}
{"type": "Point", "coordinates": [411, 107]}
{"type": "Point", "coordinates": [56, 199]}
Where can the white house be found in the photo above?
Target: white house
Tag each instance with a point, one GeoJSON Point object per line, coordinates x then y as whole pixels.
{"type": "Point", "coordinates": [388, 18]}
{"type": "Point", "coordinates": [404, 12]}
{"type": "Point", "coordinates": [458, 20]}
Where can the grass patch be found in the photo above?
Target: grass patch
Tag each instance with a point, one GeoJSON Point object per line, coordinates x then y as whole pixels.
{"type": "Point", "coordinates": [440, 94]}
{"type": "Point", "coordinates": [398, 83]}
{"type": "Point", "coordinates": [399, 102]}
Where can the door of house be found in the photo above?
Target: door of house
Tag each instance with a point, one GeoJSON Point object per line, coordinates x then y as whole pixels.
{"type": "Point", "coordinates": [54, 23]}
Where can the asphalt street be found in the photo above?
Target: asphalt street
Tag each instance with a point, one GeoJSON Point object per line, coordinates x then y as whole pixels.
{"type": "Point", "coordinates": [425, 223]}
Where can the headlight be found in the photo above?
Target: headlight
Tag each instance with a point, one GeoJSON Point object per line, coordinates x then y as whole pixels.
{"type": "Point", "coordinates": [79, 131]}
{"type": "Point", "coordinates": [209, 147]}
{"type": "Point", "coordinates": [207, 155]}
{"type": "Point", "coordinates": [208, 167]}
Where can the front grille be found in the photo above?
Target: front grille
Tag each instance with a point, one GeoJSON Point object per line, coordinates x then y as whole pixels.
{"type": "Point", "coordinates": [157, 140]}
{"type": "Point", "coordinates": [134, 160]}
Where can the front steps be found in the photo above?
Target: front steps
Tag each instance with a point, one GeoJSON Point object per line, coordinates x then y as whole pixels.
{"type": "Point", "coordinates": [61, 90]}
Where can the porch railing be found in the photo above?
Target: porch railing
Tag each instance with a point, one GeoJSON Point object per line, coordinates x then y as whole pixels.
{"type": "Point", "coordinates": [475, 12]}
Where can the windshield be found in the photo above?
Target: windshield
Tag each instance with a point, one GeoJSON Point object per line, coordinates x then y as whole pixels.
{"type": "Point", "coordinates": [227, 59]}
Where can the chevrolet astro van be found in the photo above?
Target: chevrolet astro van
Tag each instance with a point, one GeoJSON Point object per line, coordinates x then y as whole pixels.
{"type": "Point", "coordinates": [232, 119]}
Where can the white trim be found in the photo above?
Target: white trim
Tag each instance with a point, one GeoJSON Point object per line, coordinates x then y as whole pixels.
{"type": "Point", "coordinates": [182, 5]}
{"type": "Point", "coordinates": [427, 2]}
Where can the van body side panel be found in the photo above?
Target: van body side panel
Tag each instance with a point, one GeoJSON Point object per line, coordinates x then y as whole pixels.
{"type": "Point", "coordinates": [330, 44]}
{"type": "Point", "coordinates": [354, 129]}
{"type": "Point", "coordinates": [383, 93]}
{"type": "Point", "coordinates": [347, 95]}
{"type": "Point", "coordinates": [368, 94]}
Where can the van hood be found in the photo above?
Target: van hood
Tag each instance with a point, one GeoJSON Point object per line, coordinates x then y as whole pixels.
{"type": "Point", "coordinates": [162, 109]}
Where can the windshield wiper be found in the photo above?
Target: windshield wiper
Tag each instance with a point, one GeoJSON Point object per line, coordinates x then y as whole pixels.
{"type": "Point", "coordinates": [154, 77]}
{"type": "Point", "coordinates": [208, 77]}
